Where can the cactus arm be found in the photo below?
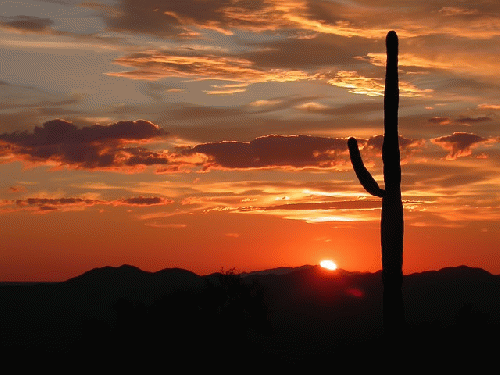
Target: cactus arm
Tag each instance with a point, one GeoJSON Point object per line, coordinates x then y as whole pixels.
{"type": "Point", "coordinates": [364, 177]}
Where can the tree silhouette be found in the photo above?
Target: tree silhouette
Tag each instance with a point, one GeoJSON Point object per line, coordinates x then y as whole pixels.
{"type": "Point", "coordinates": [392, 206]}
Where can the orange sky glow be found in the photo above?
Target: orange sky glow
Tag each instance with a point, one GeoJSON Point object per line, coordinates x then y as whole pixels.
{"type": "Point", "coordinates": [213, 134]}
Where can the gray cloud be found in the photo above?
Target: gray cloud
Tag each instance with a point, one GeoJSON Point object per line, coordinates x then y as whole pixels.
{"type": "Point", "coordinates": [27, 23]}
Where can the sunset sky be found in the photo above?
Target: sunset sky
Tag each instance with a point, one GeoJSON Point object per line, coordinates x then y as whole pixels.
{"type": "Point", "coordinates": [204, 134]}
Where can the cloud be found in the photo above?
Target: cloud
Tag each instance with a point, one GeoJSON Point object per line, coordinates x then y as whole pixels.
{"type": "Point", "coordinates": [456, 11]}
{"type": "Point", "coordinates": [160, 225]}
{"type": "Point", "coordinates": [167, 18]}
{"type": "Point", "coordinates": [440, 120]}
{"type": "Point", "coordinates": [188, 19]}
{"type": "Point", "coordinates": [97, 146]}
{"type": "Point", "coordinates": [489, 106]}
{"type": "Point", "coordinates": [266, 103]}
{"type": "Point", "coordinates": [295, 151]}
{"type": "Point", "coordinates": [53, 204]}
{"type": "Point", "coordinates": [467, 119]}
{"type": "Point", "coordinates": [322, 52]}
{"type": "Point", "coordinates": [349, 109]}
{"type": "Point", "coordinates": [459, 144]}
{"type": "Point", "coordinates": [182, 18]}
{"type": "Point", "coordinates": [118, 147]}
{"type": "Point", "coordinates": [358, 84]}
{"type": "Point", "coordinates": [154, 65]}
{"type": "Point", "coordinates": [464, 120]}
{"type": "Point", "coordinates": [405, 144]}
{"type": "Point", "coordinates": [439, 178]}
{"type": "Point", "coordinates": [144, 201]}
{"type": "Point", "coordinates": [314, 206]}
{"type": "Point", "coordinates": [26, 23]}
{"type": "Point", "coordinates": [410, 60]}
{"type": "Point", "coordinates": [17, 189]}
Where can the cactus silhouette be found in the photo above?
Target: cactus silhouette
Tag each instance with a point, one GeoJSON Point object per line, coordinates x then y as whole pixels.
{"type": "Point", "coordinates": [392, 206]}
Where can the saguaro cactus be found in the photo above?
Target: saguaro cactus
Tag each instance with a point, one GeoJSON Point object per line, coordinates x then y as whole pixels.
{"type": "Point", "coordinates": [392, 206]}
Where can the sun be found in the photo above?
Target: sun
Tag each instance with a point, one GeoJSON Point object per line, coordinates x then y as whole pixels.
{"type": "Point", "coordinates": [328, 264]}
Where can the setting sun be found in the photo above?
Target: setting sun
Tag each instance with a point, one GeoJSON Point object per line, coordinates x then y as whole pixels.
{"type": "Point", "coordinates": [328, 264]}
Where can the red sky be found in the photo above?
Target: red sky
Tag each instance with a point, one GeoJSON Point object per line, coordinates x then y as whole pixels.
{"type": "Point", "coordinates": [210, 134]}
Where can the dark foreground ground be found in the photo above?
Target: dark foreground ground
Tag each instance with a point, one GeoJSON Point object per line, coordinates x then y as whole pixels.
{"type": "Point", "coordinates": [305, 316]}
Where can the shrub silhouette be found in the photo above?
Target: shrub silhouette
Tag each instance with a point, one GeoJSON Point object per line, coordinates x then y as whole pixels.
{"type": "Point", "coordinates": [392, 207]}
{"type": "Point", "coordinates": [211, 325]}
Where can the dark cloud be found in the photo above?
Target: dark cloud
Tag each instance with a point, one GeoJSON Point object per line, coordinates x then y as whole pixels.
{"type": "Point", "coordinates": [190, 112]}
{"type": "Point", "coordinates": [17, 189]}
{"type": "Point", "coordinates": [405, 144]}
{"type": "Point", "coordinates": [27, 23]}
{"type": "Point", "coordinates": [52, 204]}
{"type": "Point", "coordinates": [321, 51]}
{"type": "Point", "coordinates": [59, 131]}
{"type": "Point", "coordinates": [37, 105]}
{"type": "Point", "coordinates": [459, 143]}
{"type": "Point", "coordinates": [440, 120]}
{"type": "Point", "coordinates": [298, 151]}
{"type": "Point", "coordinates": [428, 177]}
{"type": "Point", "coordinates": [342, 205]}
{"type": "Point", "coordinates": [143, 201]}
{"type": "Point", "coordinates": [464, 120]}
{"type": "Point", "coordinates": [90, 147]}
{"type": "Point", "coordinates": [46, 202]}
{"type": "Point", "coordinates": [473, 119]}
{"type": "Point", "coordinates": [175, 17]}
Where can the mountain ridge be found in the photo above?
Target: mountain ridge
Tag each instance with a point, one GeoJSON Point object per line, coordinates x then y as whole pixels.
{"type": "Point", "coordinates": [306, 304]}
{"type": "Point", "coordinates": [272, 271]}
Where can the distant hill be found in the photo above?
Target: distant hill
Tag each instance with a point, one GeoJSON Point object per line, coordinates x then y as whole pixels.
{"type": "Point", "coordinates": [307, 311]}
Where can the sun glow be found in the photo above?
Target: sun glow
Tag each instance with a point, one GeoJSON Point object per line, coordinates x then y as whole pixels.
{"type": "Point", "coordinates": [328, 264]}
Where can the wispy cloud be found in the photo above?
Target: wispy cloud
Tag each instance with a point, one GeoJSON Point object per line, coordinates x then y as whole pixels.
{"type": "Point", "coordinates": [359, 84]}
{"type": "Point", "coordinates": [153, 65]}
{"type": "Point", "coordinates": [71, 204]}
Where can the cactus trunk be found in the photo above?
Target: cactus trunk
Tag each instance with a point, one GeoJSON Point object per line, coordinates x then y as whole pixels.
{"type": "Point", "coordinates": [392, 206]}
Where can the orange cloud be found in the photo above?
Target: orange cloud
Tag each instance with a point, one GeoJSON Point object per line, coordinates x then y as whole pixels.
{"type": "Point", "coordinates": [489, 106]}
{"type": "Point", "coordinates": [440, 120]}
{"type": "Point", "coordinates": [181, 18]}
{"type": "Point", "coordinates": [459, 144]}
{"type": "Point", "coordinates": [411, 60]}
{"type": "Point", "coordinates": [456, 11]}
{"type": "Point", "coordinates": [359, 84]}
{"type": "Point", "coordinates": [153, 65]}
{"type": "Point", "coordinates": [178, 18]}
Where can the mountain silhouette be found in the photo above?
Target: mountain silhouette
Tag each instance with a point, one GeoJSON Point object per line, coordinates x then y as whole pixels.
{"type": "Point", "coordinates": [293, 315]}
